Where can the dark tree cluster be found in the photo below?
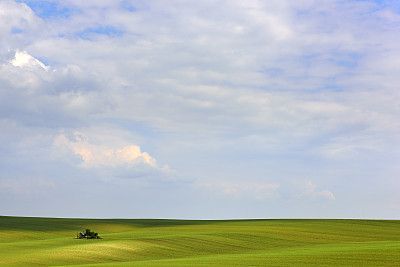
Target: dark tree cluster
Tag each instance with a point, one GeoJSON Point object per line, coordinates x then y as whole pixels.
{"type": "Point", "coordinates": [88, 235]}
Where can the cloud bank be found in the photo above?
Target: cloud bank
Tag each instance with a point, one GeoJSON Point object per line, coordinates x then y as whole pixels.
{"type": "Point", "coordinates": [242, 100]}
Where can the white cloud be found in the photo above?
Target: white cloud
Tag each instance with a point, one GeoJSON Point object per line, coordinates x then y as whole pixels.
{"type": "Point", "coordinates": [23, 60]}
{"type": "Point", "coordinates": [15, 15]}
{"type": "Point", "coordinates": [66, 96]}
{"type": "Point", "coordinates": [94, 156]}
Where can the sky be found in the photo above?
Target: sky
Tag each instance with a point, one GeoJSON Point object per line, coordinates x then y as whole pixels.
{"type": "Point", "coordinates": [206, 109]}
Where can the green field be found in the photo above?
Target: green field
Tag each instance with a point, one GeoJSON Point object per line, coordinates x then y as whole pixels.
{"type": "Point", "coordinates": [48, 241]}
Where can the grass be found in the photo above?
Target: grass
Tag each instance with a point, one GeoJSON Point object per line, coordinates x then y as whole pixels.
{"type": "Point", "coordinates": [50, 242]}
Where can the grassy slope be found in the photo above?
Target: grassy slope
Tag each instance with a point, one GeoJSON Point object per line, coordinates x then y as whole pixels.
{"type": "Point", "coordinates": [44, 241]}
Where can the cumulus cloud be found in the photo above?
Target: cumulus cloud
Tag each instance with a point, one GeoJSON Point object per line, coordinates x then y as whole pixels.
{"type": "Point", "coordinates": [62, 97]}
{"type": "Point", "coordinates": [95, 156]}
{"type": "Point", "coordinates": [23, 60]}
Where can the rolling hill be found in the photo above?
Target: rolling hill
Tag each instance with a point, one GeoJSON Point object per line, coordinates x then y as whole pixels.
{"type": "Point", "coordinates": [26, 241]}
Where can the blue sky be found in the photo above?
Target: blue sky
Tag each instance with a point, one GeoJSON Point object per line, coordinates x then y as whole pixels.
{"type": "Point", "coordinates": [199, 110]}
{"type": "Point", "coordinates": [50, 9]}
